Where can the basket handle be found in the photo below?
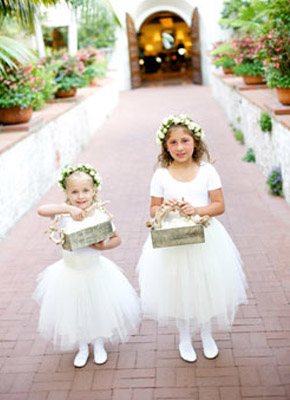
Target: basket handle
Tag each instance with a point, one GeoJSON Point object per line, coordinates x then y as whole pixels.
{"type": "Point", "coordinates": [164, 210]}
{"type": "Point", "coordinates": [56, 233]}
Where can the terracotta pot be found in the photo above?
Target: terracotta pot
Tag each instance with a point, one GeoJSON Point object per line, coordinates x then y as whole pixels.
{"type": "Point", "coordinates": [284, 95]}
{"type": "Point", "coordinates": [94, 81]}
{"type": "Point", "coordinates": [15, 115]}
{"type": "Point", "coordinates": [253, 79]}
{"type": "Point", "coordinates": [65, 93]}
{"type": "Point", "coordinates": [227, 71]}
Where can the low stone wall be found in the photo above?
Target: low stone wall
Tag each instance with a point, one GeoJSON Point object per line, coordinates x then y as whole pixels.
{"type": "Point", "coordinates": [271, 149]}
{"type": "Point", "coordinates": [30, 167]}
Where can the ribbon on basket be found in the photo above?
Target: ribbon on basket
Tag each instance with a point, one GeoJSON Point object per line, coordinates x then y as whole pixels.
{"type": "Point", "coordinates": [56, 234]}
{"type": "Point", "coordinates": [163, 211]}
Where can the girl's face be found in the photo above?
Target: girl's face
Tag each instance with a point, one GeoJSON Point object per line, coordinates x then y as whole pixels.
{"type": "Point", "coordinates": [80, 191]}
{"type": "Point", "coordinates": [180, 145]}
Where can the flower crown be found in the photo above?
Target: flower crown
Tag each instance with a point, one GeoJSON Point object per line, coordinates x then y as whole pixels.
{"type": "Point", "coordinates": [180, 119]}
{"type": "Point", "coordinates": [86, 168]}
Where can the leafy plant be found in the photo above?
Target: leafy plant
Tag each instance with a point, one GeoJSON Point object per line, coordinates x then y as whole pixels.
{"type": "Point", "coordinates": [68, 71]}
{"type": "Point", "coordinates": [230, 14]}
{"type": "Point", "coordinates": [13, 53]}
{"type": "Point", "coordinates": [247, 56]}
{"type": "Point", "coordinates": [249, 156]}
{"type": "Point", "coordinates": [95, 64]}
{"type": "Point", "coordinates": [255, 16]}
{"type": "Point", "coordinates": [265, 122]}
{"type": "Point", "coordinates": [44, 79]}
{"type": "Point", "coordinates": [248, 69]}
{"type": "Point", "coordinates": [275, 181]}
{"type": "Point", "coordinates": [223, 55]}
{"type": "Point", "coordinates": [18, 88]}
{"type": "Point", "coordinates": [239, 136]}
{"type": "Point", "coordinates": [275, 79]}
{"type": "Point", "coordinates": [97, 27]}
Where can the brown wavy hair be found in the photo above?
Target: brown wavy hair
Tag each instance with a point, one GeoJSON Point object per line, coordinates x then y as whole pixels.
{"type": "Point", "coordinates": [200, 148]}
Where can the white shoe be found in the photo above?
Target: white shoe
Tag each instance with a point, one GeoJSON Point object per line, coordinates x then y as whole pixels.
{"type": "Point", "coordinates": [187, 352]}
{"type": "Point", "coordinates": [100, 354]}
{"type": "Point", "coordinates": [210, 349]}
{"type": "Point", "coordinates": [81, 357]}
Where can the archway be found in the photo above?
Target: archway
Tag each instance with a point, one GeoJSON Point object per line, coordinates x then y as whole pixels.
{"type": "Point", "coordinates": [167, 49]}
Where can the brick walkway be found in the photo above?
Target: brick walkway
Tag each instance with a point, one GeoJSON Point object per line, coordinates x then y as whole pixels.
{"type": "Point", "coordinates": [254, 361]}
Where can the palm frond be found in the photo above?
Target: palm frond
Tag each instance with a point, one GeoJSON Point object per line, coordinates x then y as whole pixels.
{"type": "Point", "coordinates": [13, 53]}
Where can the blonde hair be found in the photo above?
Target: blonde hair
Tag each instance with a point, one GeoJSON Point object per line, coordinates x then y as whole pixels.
{"type": "Point", "coordinates": [81, 176]}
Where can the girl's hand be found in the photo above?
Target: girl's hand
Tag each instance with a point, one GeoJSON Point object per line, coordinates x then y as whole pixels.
{"type": "Point", "coordinates": [99, 246]}
{"type": "Point", "coordinates": [76, 213]}
{"type": "Point", "coordinates": [169, 202]}
{"type": "Point", "coordinates": [108, 244]}
{"type": "Point", "coordinates": [187, 208]}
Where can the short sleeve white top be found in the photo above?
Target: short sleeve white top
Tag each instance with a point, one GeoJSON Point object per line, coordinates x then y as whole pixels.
{"type": "Point", "coordinates": [196, 191]}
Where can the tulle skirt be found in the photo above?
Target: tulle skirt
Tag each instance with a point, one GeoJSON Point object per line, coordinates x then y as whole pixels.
{"type": "Point", "coordinates": [83, 297]}
{"type": "Point", "coordinates": [197, 283]}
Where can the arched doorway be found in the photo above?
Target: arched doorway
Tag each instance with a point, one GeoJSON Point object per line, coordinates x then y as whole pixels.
{"type": "Point", "coordinates": [164, 49]}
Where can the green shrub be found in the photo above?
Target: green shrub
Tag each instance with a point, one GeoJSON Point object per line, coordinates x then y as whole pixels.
{"type": "Point", "coordinates": [44, 76]}
{"type": "Point", "coordinates": [239, 136]}
{"type": "Point", "coordinates": [97, 27]}
{"type": "Point", "coordinates": [265, 122]}
{"type": "Point", "coordinates": [249, 69]}
{"type": "Point", "coordinates": [275, 182]}
{"type": "Point", "coordinates": [250, 156]}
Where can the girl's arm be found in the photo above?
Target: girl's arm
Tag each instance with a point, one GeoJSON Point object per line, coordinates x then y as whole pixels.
{"type": "Point", "coordinates": [50, 210]}
{"type": "Point", "coordinates": [155, 203]}
{"type": "Point", "coordinates": [108, 244]}
{"type": "Point", "coordinates": [216, 206]}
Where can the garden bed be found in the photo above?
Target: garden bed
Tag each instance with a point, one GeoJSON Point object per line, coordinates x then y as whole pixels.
{"type": "Point", "coordinates": [243, 109]}
{"type": "Point", "coordinates": [31, 154]}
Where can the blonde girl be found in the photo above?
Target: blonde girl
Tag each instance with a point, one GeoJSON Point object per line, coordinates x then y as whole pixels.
{"type": "Point", "coordinates": [84, 297]}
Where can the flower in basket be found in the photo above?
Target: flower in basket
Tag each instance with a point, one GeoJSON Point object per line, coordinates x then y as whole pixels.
{"type": "Point", "coordinates": [68, 72]}
{"type": "Point", "coordinates": [223, 55]}
{"type": "Point", "coordinates": [18, 87]}
{"type": "Point", "coordinates": [248, 56]}
{"type": "Point", "coordinates": [94, 62]}
{"type": "Point", "coordinates": [276, 57]}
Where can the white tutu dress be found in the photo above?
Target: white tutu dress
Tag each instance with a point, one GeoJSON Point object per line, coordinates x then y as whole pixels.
{"type": "Point", "coordinates": [85, 296]}
{"type": "Point", "coordinates": [196, 282]}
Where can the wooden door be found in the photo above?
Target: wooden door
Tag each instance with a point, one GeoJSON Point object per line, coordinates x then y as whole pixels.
{"type": "Point", "coordinates": [133, 52]}
{"type": "Point", "coordinates": [196, 60]}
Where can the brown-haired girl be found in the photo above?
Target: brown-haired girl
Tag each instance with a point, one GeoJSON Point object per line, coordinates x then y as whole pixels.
{"type": "Point", "coordinates": [193, 285]}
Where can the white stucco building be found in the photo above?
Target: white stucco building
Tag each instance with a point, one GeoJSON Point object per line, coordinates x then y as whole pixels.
{"type": "Point", "coordinates": [209, 13]}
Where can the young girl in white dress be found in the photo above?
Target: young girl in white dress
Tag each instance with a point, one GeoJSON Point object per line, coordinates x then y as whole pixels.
{"type": "Point", "coordinates": [84, 297]}
{"type": "Point", "coordinates": [195, 284]}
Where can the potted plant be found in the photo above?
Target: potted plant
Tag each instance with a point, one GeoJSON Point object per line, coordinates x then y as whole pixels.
{"type": "Point", "coordinates": [276, 52]}
{"type": "Point", "coordinates": [43, 78]}
{"type": "Point", "coordinates": [248, 62]}
{"type": "Point", "coordinates": [68, 74]}
{"type": "Point", "coordinates": [95, 64]}
{"type": "Point", "coordinates": [223, 56]}
{"type": "Point", "coordinates": [18, 89]}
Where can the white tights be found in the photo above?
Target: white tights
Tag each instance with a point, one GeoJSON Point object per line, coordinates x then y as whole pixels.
{"type": "Point", "coordinates": [184, 331]}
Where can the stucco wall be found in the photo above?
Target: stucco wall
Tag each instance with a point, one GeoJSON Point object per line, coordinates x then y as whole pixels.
{"type": "Point", "coordinates": [30, 167]}
{"type": "Point", "coordinates": [271, 149]}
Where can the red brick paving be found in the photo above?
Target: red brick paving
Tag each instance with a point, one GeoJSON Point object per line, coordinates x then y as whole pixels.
{"type": "Point", "coordinates": [254, 361]}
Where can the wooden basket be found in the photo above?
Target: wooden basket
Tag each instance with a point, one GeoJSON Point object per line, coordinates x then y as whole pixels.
{"type": "Point", "coordinates": [87, 236]}
{"type": "Point", "coordinates": [177, 236]}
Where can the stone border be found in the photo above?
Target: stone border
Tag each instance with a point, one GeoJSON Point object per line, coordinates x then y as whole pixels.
{"type": "Point", "coordinates": [30, 167]}
{"type": "Point", "coordinates": [243, 110]}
